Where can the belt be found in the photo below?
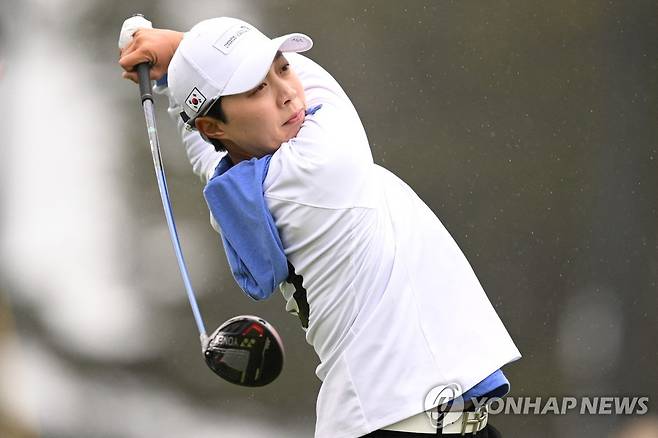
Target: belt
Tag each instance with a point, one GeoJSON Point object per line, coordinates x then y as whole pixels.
{"type": "Point", "coordinates": [453, 422]}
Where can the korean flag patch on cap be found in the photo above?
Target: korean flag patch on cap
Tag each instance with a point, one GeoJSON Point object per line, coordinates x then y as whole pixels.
{"type": "Point", "coordinates": [195, 100]}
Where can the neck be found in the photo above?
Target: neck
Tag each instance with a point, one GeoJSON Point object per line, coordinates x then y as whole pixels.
{"type": "Point", "coordinates": [237, 157]}
{"type": "Point", "coordinates": [236, 154]}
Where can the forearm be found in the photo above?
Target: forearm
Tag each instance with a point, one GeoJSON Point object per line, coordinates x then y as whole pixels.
{"type": "Point", "coordinates": [201, 154]}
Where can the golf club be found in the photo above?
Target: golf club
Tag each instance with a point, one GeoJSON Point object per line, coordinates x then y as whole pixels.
{"type": "Point", "coordinates": [245, 350]}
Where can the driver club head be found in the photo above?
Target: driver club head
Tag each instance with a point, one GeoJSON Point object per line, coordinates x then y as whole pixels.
{"type": "Point", "coordinates": [245, 350]}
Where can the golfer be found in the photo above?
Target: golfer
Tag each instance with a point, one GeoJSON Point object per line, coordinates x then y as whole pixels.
{"type": "Point", "coordinates": [386, 297]}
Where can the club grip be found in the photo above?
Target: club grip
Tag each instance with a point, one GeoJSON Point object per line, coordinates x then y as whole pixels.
{"type": "Point", "coordinates": [145, 89]}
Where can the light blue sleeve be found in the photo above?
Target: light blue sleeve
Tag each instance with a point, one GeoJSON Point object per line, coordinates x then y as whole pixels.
{"type": "Point", "coordinates": [251, 241]}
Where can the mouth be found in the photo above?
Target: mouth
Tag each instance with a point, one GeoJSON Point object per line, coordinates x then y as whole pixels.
{"type": "Point", "coordinates": [296, 118]}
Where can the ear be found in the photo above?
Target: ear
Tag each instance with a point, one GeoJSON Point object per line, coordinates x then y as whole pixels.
{"type": "Point", "coordinates": [210, 127]}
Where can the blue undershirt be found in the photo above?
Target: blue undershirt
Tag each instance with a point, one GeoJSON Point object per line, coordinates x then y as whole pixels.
{"type": "Point", "coordinates": [495, 385]}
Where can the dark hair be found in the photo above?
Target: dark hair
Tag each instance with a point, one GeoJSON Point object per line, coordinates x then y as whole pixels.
{"type": "Point", "coordinates": [216, 112]}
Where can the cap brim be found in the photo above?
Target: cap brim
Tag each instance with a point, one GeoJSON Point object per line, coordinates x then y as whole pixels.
{"type": "Point", "coordinates": [255, 67]}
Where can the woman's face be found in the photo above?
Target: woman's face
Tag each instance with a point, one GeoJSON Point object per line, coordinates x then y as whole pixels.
{"type": "Point", "coordinates": [260, 120]}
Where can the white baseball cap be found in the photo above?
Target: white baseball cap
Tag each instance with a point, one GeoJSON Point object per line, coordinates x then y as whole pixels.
{"type": "Point", "coordinates": [220, 57]}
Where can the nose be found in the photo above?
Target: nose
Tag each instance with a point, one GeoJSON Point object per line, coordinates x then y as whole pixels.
{"type": "Point", "coordinates": [286, 93]}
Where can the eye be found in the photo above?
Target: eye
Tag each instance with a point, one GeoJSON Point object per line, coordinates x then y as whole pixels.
{"type": "Point", "coordinates": [286, 67]}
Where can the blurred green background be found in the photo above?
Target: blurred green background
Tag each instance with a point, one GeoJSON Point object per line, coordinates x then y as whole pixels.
{"type": "Point", "coordinates": [528, 127]}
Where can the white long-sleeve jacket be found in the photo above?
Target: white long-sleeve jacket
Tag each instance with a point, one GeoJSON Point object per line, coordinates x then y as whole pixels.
{"type": "Point", "coordinates": [395, 308]}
